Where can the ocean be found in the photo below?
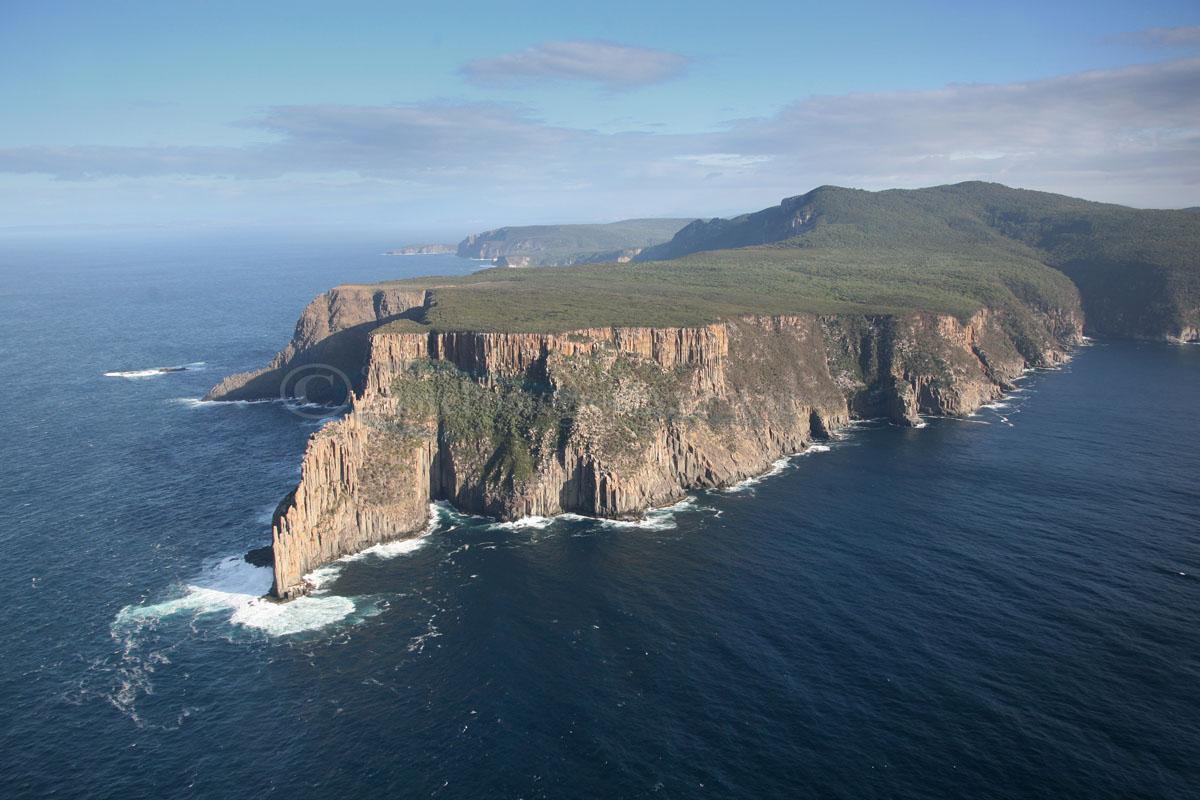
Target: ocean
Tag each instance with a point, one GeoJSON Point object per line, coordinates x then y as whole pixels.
{"type": "Point", "coordinates": [1004, 606]}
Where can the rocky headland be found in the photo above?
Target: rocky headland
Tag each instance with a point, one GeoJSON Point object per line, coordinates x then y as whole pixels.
{"type": "Point", "coordinates": [605, 390]}
{"type": "Point", "coordinates": [605, 421]}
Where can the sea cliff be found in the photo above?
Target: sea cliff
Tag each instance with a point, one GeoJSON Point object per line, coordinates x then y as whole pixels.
{"type": "Point", "coordinates": [334, 331]}
{"type": "Point", "coordinates": [607, 421]}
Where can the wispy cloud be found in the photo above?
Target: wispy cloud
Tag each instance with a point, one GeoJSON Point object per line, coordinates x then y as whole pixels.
{"type": "Point", "coordinates": [1128, 135]}
{"type": "Point", "coordinates": [1182, 36]}
{"type": "Point", "coordinates": [420, 140]}
{"type": "Point", "coordinates": [615, 66]}
{"type": "Point", "coordinates": [1135, 125]}
{"type": "Point", "coordinates": [724, 160]}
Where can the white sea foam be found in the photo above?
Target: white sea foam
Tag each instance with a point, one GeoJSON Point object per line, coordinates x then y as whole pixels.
{"type": "Point", "coordinates": [400, 547]}
{"type": "Point", "coordinates": [196, 402]}
{"type": "Point", "coordinates": [306, 613]}
{"type": "Point", "coordinates": [317, 420]}
{"type": "Point", "coordinates": [417, 643]}
{"type": "Point", "coordinates": [233, 586]}
{"type": "Point", "coordinates": [777, 467]}
{"type": "Point", "coordinates": [295, 405]}
{"type": "Point", "coordinates": [655, 519]}
{"type": "Point", "coordinates": [153, 372]}
{"type": "Point", "coordinates": [322, 578]}
{"type": "Point", "coordinates": [535, 522]}
{"type": "Point", "coordinates": [135, 373]}
{"type": "Point", "coordinates": [451, 517]}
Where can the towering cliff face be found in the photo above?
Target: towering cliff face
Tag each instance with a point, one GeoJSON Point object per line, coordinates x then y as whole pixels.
{"type": "Point", "coordinates": [334, 330]}
{"type": "Point", "coordinates": [611, 421]}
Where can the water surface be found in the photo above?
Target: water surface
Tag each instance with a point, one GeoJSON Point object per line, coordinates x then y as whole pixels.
{"type": "Point", "coordinates": [999, 607]}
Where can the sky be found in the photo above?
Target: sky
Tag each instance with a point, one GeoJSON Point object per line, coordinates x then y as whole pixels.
{"type": "Point", "coordinates": [445, 118]}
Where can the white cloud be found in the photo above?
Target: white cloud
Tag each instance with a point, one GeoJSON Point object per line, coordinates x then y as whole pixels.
{"type": "Point", "coordinates": [1127, 135]}
{"type": "Point", "coordinates": [724, 160]}
{"type": "Point", "coordinates": [1135, 129]}
{"type": "Point", "coordinates": [615, 66]}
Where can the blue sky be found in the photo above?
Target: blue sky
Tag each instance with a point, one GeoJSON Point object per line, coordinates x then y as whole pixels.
{"type": "Point", "coordinates": [451, 116]}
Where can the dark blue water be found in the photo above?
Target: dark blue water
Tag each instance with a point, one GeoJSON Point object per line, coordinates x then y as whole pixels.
{"type": "Point", "coordinates": [996, 608]}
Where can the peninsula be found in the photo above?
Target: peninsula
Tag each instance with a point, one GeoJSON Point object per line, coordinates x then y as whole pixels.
{"type": "Point", "coordinates": [556, 245]}
{"type": "Point", "coordinates": [611, 388]}
{"type": "Point", "coordinates": [564, 245]}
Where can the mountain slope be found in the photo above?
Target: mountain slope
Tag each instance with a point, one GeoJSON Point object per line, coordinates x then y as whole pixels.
{"type": "Point", "coordinates": [1138, 271]}
{"type": "Point", "coordinates": [545, 245]}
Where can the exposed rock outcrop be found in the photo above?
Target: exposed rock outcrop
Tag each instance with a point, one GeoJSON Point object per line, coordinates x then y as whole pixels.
{"type": "Point", "coordinates": [1185, 335]}
{"type": "Point", "coordinates": [333, 330]}
{"type": "Point", "coordinates": [612, 421]}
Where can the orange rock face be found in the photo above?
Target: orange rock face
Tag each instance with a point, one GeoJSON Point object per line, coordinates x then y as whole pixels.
{"type": "Point", "coordinates": [611, 421]}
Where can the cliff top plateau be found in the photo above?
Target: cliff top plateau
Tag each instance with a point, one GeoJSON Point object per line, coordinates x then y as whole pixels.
{"type": "Point", "coordinates": [948, 249]}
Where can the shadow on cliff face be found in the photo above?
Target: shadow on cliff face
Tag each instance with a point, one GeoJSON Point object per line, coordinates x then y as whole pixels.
{"type": "Point", "coordinates": [342, 355]}
{"type": "Point", "coordinates": [322, 385]}
{"type": "Point", "coordinates": [261, 557]}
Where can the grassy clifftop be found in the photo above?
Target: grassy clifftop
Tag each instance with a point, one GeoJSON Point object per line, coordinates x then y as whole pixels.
{"type": "Point", "coordinates": [949, 249]}
{"type": "Point", "coordinates": [707, 287]}
{"type": "Point", "coordinates": [1137, 270]}
{"type": "Point", "coordinates": [834, 251]}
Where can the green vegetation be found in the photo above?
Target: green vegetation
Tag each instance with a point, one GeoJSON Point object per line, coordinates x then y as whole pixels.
{"type": "Point", "coordinates": [570, 244]}
{"type": "Point", "coordinates": [515, 426]}
{"type": "Point", "coordinates": [1137, 270]}
{"type": "Point", "coordinates": [950, 249]}
{"type": "Point", "coordinates": [713, 286]}
{"type": "Point", "coordinates": [622, 397]}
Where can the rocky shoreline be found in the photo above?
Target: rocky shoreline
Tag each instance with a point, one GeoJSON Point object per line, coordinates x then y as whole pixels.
{"type": "Point", "coordinates": [606, 422]}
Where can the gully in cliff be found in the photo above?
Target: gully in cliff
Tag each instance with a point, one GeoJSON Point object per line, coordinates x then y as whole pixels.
{"type": "Point", "coordinates": [607, 421]}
